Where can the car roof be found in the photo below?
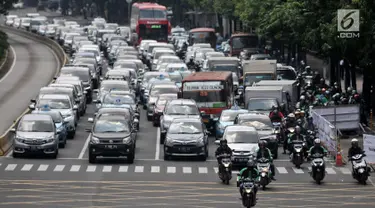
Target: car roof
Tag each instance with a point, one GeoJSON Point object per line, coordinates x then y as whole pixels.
{"type": "Point", "coordinates": [46, 112]}
{"type": "Point", "coordinates": [38, 117]}
{"type": "Point", "coordinates": [54, 96]}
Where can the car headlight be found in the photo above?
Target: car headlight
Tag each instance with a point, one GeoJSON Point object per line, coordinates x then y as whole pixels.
{"type": "Point", "coordinates": [166, 124]}
{"type": "Point", "coordinates": [95, 140]}
{"type": "Point", "coordinates": [20, 139]}
{"type": "Point", "coordinates": [50, 140]}
{"type": "Point", "coordinates": [126, 140]}
{"type": "Point", "coordinates": [200, 142]}
{"type": "Point", "coordinates": [168, 142]}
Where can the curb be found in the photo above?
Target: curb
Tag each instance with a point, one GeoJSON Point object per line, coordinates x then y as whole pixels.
{"type": "Point", "coordinates": [5, 58]}
{"type": "Point", "coordinates": [6, 140]}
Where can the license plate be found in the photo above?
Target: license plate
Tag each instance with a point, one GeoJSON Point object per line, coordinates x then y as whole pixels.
{"type": "Point", "coordinates": [205, 120]}
{"type": "Point", "coordinates": [242, 160]}
{"type": "Point", "coordinates": [184, 149]}
{"type": "Point", "coordinates": [111, 146]}
{"type": "Point", "coordinates": [33, 147]}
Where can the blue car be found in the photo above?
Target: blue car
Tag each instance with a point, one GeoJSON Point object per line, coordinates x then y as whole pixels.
{"type": "Point", "coordinates": [60, 124]}
{"type": "Point", "coordinates": [226, 119]}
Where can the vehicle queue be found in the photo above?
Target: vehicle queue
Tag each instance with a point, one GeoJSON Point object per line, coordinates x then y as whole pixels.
{"type": "Point", "coordinates": [189, 92]}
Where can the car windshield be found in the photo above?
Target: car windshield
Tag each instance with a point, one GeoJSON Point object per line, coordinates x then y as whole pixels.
{"type": "Point", "coordinates": [182, 110]}
{"type": "Point", "coordinates": [176, 77]}
{"type": "Point", "coordinates": [163, 90]}
{"type": "Point", "coordinates": [286, 74]}
{"type": "Point", "coordinates": [83, 75]}
{"type": "Point", "coordinates": [111, 125]}
{"type": "Point", "coordinates": [259, 124]}
{"type": "Point", "coordinates": [250, 79]}
{"type": "Point", "coordinates": [115, 99]}
{"type": "Point", "coordinates": [244, 42]}
{"type": "Point", "coordinates": [241, 136]}
{"type": "Point", "coordinates": [261, 104]}
{"type": "Point", "coordinates": [111, 86]}
{"type": "Point", "coordinates": [227, 116]}
{"type": "Point", "coordinates": [91, 51]}
{"type": "Point", "coordinates": [153, 14]}
{"type": "Point", "coordinates": [55, 103]}
{"type": "Point", "coordinates": [185, 128]}
{"type": "Point", "coordinates": [231, 68]}
{"type": "Point", "coordinates": [35, 126]}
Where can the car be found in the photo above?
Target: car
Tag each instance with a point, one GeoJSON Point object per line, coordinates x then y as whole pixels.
{"type": "Point", "coordinates": [79, 97]}
{"type": "Point", "coordinates": [60, 124]}
{"type": "Point", "coordinates": [177, 78]}
{"type": "Point", "coordinates": [155, 91]}
{"type": "Point", "coordinates": [127, 112]}
{"type": "Point", "coordinates": [226, 119]}
{"type": "Point", "coordinates": [84, 75]}
{"type": "Point", "coordinates": [148, 82]}
{"type": "Point", "coordinates": [159, 106]}
{"type": "Point", "coordinates": [62, 104]}
{"type": "Point", "coordinates": [118, 99]}
{"type": "Point", "coordinates": [186, 137]}
{"type": "Point", "coordinates": [180, 108]}
{"type": "Point", "coordinates": [112, 136]}
{"type": "Point", "coordinates": [262, 123]}
{"type": "Point", "coordinates": [35, 134]}
{"type": "Point", "coordinates": [107, 85]}
{"type": "Point", "coordinates": [243, 140]}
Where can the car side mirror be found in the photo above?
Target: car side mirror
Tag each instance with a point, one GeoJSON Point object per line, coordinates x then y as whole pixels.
{"type": "Point", "coordinates": [217, 142]}
{"type": "Point", "coordinates": [91, 120]}
{"type": "Point", "coordinates": [32, 107]}
{"type": "Point", "coordinates": [13, 130]}
{"type": "Point", "coordinates": [87, 130]}
{"type": "Point", "coordinates": [33, 100]}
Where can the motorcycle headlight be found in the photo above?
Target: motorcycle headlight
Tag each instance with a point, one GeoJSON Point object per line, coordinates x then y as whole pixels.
{"type": "Point", "coordinates": [248, 190]}
{"type": "Point", "coordinates": [361, 170]}
{"type": "Point", "coordinates": [265, 169]}
{"type": "Point", "coordinates": [263, 174]}
{"type": "Point", "coordinates": [95, 140]}
{"type": "Point", "coordinates": [126, 140]}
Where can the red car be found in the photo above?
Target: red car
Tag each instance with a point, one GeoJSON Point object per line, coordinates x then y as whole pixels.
{"type": "Point", "coordinates": [159, 107]}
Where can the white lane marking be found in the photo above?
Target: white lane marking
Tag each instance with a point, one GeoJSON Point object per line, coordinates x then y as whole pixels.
{"type": "Point", "coordinates": [10, 153]}
{"type": "Point", "coordinates": [75, 168]}
{"type": "Point", "coordinates": [59, 168]}
{"type": "Point", "coordinates": [138, 169]}
{"type": "Point", "coordinates": [157, 151]}
{"type": "Point", "coordinates": [187, 170]}
{"type": "Point", "coordinates": [84, 148]}
{"type": "Point", "coordinates": [202, 170]}
{"type": "Point", "coordinates": [43, 167]}
{"type": "Point", "coordinates": [155, 169]}
{"type": "Point", "coordinates": [282, 170]}
{"type": "Point", "coordinates": [216, 169]}
{"type": "Point", "coordinates": [107, 169]}
{"type": "Point", "coordinates": [330, 171]}
{"type": "Point", "coordinates": [297, 170]}
{"type": "Point", "coordinates": [27, 167]}
{"type": "Point", "coordinates": [91, 168]}
{"type": "Point", "coordinates": [123, 169]}
{"type": "Point", "coordinates": [13, 64]}
{"type": "Point", "coordinates": [345, 171]}
{"type": "Point", "coordinates": [171, 169]}
{"type": "Point", "coordinates": [11, 167]}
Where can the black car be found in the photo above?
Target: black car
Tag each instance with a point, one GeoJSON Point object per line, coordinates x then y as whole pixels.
{"type": "Point", "coordinates": [112, 136]}
{"type": "Point", "coordinates": [186, 137]}
{"type": "Point", "coordinates": [127, 112]}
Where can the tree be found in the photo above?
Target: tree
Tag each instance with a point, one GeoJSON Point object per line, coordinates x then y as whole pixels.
{"type": "Point", "coordinates": [5, 5]}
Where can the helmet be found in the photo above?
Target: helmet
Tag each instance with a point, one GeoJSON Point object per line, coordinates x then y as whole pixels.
{"type": "Point", "coordinates": [354, 142]}
{"type": "Point", "coordinates": [261, 144]}
{"type": "Point", "coordinates": [302, 113]}
{"type": "Point", "coordinates": [317, 142]}
{"type": "Point", "coordinates": [322, 80]}
{"type": "Point", "coordinates": [349, 90]}
{"type": "Point", "coordinates": [302, 98]}
{"type": "Point", "coordinates": [251, 163]}
{"type": "Point", "coordinates": [282, 105]}
{"type": "Point", "coordinates": [223, 142]}
{"type": "Point", "coordinates": [298, 129]}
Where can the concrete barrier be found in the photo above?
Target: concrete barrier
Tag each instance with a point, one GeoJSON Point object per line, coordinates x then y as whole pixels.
{"type": "Point", "coordinates": [6, 140]}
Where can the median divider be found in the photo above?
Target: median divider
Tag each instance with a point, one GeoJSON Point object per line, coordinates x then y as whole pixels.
{"type": "Point", "coordinates": [6, 140]}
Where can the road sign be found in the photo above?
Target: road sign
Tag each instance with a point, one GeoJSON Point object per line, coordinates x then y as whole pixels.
{"type": "Point", "coordinates": [128, 1]}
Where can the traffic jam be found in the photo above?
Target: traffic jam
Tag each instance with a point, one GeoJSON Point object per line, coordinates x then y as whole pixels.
{"type": "Point", "coordinates": [194, 90]}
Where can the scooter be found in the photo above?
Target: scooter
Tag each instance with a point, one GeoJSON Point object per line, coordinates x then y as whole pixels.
{"type": "Point", "coordinates": [265, 172]}
{"type": "Point", "coordinates": [297, 154]}
{"type": "Point", "coordinates": [225, 168]}
{"type": "Point", "coordinates": [248, 193]}
{"type": "Point", "coordinates": [318, 168]}
{"type": "Point", "coordinates": [360, 170]}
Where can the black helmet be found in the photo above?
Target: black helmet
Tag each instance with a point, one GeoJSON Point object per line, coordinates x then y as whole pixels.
{"type": "Point", "coordinates": [223, 142]}
{"type": "Point", "coordinates": [298, 129]}
{"type": "Point", "coordinates": [251, 163]}
{"type": "Point", "coordinates": [261, 144]}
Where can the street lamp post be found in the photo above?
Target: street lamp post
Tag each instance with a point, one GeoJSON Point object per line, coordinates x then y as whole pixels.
{"type": "Point", "coordinates": [129, 6]}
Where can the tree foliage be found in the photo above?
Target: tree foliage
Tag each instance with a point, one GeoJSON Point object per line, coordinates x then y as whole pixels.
{"type": "Point", "coordinates": [5, 5]}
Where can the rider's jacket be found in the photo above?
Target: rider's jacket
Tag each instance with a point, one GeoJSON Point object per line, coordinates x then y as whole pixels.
{"type": "Point", "coordinates": [264, 153]}
{"type": "Point", "coordinates": [354, 151]}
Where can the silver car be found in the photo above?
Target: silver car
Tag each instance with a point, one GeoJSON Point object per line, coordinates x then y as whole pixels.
{"type": "Point", "coordinates": [155, 91]}
{"type": "Point", "coordinates": [78, 96]}
{"type": "Point", "coordinates": [35, 134]}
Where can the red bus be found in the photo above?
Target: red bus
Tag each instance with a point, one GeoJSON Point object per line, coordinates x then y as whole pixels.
{"type": "Point", "coordinates": [150, 21]}
{"type": "Point", "coordinates": [202, 35]}
{"type": "Point", "coordinates": [240, 41]}
{"type": "Point", "coordinates": [212, 91]}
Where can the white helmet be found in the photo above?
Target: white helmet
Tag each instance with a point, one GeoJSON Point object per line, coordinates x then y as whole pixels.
{"type": "Point", "coordinates": [317, 141]}
{"type": "Point", "coordinates": [354, 140]}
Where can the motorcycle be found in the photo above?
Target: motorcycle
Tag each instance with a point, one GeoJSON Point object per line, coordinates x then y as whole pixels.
{"type": "Point", "coordinates": [318, 169]}
{"type": "Point", "coordinates": [248, 194]}
{"type": "Point", "coordinates": [360, 169]}
{"type": "Point", "coordinates": [263, 166]}
{"type": "Point", "coordinates": [298, 152]}
{"type": "Point", "coordinates": [277, 131]}
{"type": "Point", "coordinates": [225, 168]}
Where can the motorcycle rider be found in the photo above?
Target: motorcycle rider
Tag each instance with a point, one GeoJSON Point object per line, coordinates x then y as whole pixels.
{"type": "Point", "coordinates": [307, 72]}
{"type": "Point", "coordinates": [283, 109]}
{"type": "Point", "coordinates": [302, 104]}
{"type": "Point", "coordinates": [297, 136]}
{"type": "Point", "coordinates": [317, 148]}
{"type": "Point", "coordinates": [355, 150]}
{"type": "Point", "coordinates": [222, 149]}
{"type": "Point", "coordinates": [276, 115]}
{"type": "Point", "coordinates": [264, 152]}
{"type": "Point", "coordinates": [249, 172]}
{"type": "Point", "coordinates": [289, 122]}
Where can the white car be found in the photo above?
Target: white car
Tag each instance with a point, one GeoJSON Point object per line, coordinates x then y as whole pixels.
{"type": "Point", "coordinates": [9, 19]}
{"type": "Point", "coordinates": [18, 5]}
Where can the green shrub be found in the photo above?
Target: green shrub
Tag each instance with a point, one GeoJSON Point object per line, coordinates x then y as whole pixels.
{"type": "Point", "coordinates": [3, 44]}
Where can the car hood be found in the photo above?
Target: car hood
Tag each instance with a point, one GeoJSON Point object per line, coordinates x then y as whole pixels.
{"type": "Point", "coordinates": [35, 135]}
{"type": "Point", "coordinates": [111, 135]}
{"type": "Point", "coordinates": [243, 147]}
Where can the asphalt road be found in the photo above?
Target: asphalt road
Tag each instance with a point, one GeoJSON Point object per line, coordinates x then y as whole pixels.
{"type": "Point", "coordinates": [70, 181]}
{"type": "Point", "coordinates": [35, 65]}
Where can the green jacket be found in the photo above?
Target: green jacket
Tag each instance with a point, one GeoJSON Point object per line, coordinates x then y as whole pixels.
{"type": "Point", "coordinates": [245, 173]}
{"type": "Point", "coordinates": [314, 150]}
{"type": "Point", "coordinates": [267, 154]}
